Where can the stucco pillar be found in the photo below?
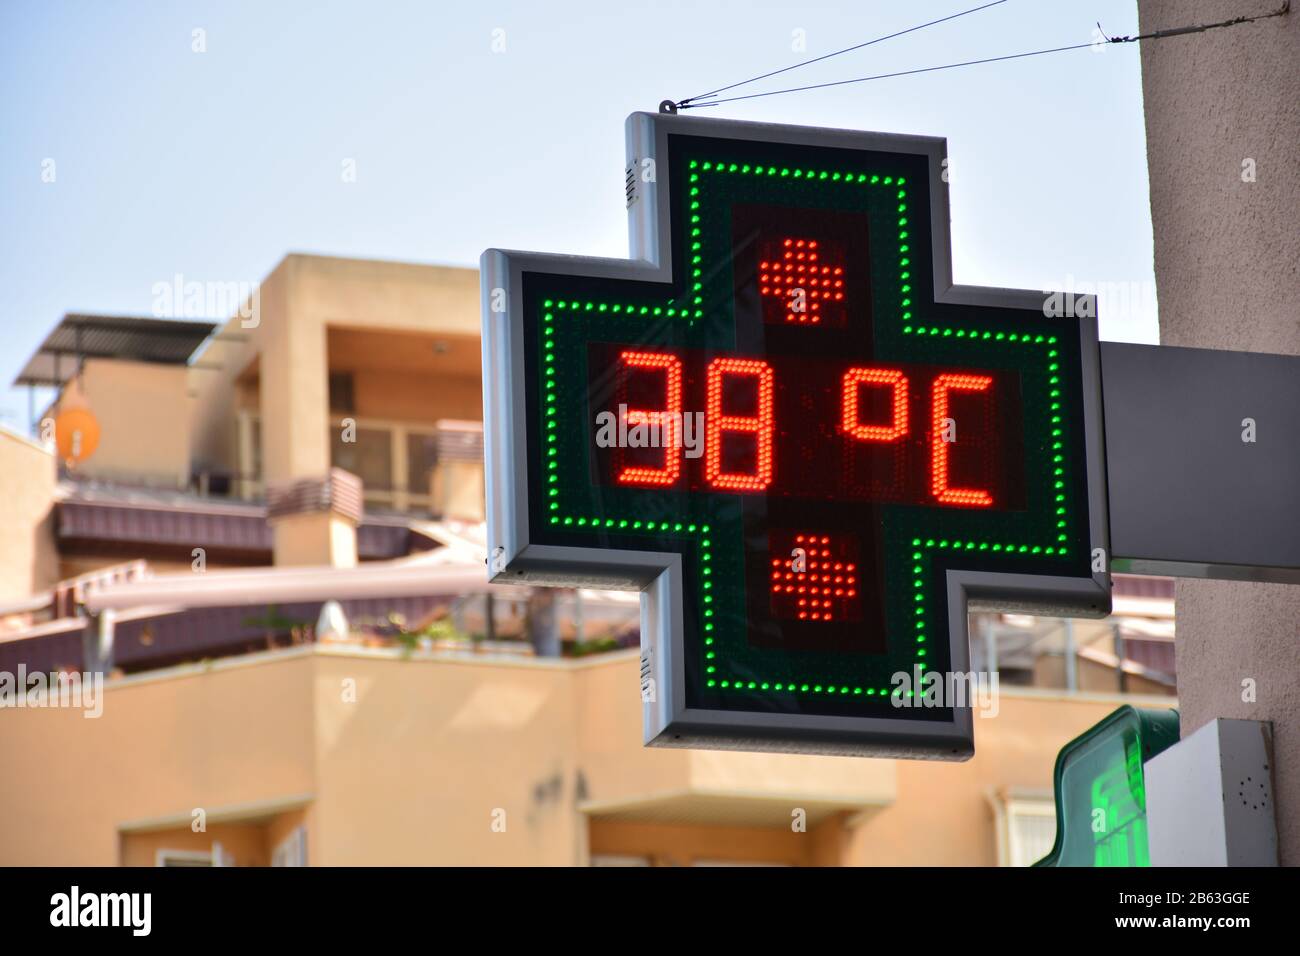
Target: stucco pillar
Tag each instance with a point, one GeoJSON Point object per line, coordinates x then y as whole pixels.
{"type": "Point", "coordinates": [314, 520]}
{"type": "Point", "coordinates": [294, 370]}
{"type": "Point", "coordinates": [1223, 124]}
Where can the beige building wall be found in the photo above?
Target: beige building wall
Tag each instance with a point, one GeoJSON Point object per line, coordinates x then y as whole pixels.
{"type": "Point", "coordinates": [288, 349]}
{"type": "Point", "coordinates": [413, 398]}
{"type": "Point", "coordinates": [467, 760]}
{"type": "Point", "coordinates": [1218, 104]}
{"type": "Point", "coordinates": [308, 539]}
{"type": "Point", "coordinates": [143, 410]}
{"type": "Point", "coordinates": [29, 561]}
{"type": "Point", "coordinates": [229, 739]}
{"type": "Point", "coordinates": [472, 763]}
{"type": "Point", "coordinates": [684, 845]}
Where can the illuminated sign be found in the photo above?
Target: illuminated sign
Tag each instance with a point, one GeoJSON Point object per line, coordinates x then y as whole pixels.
{"type": "Point", "coordinates": [783, 423]}
{"type": "Point", "coordinates": [1100, 784]}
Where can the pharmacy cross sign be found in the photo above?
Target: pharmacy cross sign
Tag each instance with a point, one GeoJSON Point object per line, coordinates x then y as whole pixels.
{"type": "Point", "coordinates": [783, 423]}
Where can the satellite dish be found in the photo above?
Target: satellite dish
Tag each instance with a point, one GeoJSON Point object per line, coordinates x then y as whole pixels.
{"type": "Point", "coordinates": [76, 429]}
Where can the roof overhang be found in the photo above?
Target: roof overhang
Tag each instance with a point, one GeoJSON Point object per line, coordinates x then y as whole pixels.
{"type": "Point", "coordinates": [127, 338]}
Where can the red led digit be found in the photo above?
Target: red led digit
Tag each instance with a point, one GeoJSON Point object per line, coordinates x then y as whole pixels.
{"type": "Point", "coordinates": [943, 384]}
{"type": "Point", "coordinates": [854, 378]}
{"type": "Point", "coordinates": [717, 422]}
{"type": "Point", "coordinates": [668, 420]}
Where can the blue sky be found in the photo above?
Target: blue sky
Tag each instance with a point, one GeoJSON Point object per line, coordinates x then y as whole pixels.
{"type": "Point", "coordinates": [216, 164]}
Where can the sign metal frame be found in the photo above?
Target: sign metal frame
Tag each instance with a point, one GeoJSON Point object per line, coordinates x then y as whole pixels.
{"type": "Point", "coordinates": [513, 558]}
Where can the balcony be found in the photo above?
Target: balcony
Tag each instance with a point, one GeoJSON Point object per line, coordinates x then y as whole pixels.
{"type": "Point", "coordinates": [627, 784]}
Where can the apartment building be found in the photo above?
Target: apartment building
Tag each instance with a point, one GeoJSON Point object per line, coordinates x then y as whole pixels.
{"type": "Point", "coordinates": [273, 551]}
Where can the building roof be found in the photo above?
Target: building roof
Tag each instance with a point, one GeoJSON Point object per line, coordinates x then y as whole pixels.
{"type": "Point", "coordinates": [165, 341]}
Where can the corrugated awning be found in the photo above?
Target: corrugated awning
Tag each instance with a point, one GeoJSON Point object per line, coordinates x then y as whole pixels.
{"type": "Point", "coordinates": [165, 341]}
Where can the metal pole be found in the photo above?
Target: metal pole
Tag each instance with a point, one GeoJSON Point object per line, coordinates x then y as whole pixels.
{"type": "Point", "coordinates": [1071, 663]}
{"type": "Point", "coordinates": [1119, 659]}
{"type": "Point", "coordinates": [990, 646]}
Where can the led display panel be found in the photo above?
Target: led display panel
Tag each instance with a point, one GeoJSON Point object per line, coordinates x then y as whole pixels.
{"type": "Point", "coordinates": [791, 417]}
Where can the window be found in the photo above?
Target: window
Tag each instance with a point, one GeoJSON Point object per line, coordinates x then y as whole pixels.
{"type": "Point", "coordinates": [1026, 828]}
{"type": "Point", "coordinates": [217, 856]}
{"type": "Point", "coordinates": [618, 859]}
{"type": "Point", "coordinates": [370, 456]}
{"type": "Point", "coordinates": [342, 400]}
{"type": "Point", "coordinates": [292, 850]}
{"type": "Point", "coordinates": [248, 450]}
{"type": "Point", "coordinates": [421, 456]}
{"type": "Point", "coordinates": [255, 469]}
{"type": "Point", "coordinates": [182, 858]}
{"type": "Point", "coordinates": [394, 460]}
{"type": "Point", "coordinates": [712, 862]}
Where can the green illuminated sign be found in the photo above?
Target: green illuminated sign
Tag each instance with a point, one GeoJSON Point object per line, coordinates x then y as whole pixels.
{"type": "Point", "coordinates": [784, 422]}
{"type": "Point", "coordinates": [1101, 815]}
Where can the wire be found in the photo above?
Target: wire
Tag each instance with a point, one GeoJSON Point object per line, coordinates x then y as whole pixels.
{"type": "Point", "coordinates": [886, 76]}
{"type": "Point", "coordinates": [1154, 35]}
{"type": "Point", "coordinates": [684, 104]}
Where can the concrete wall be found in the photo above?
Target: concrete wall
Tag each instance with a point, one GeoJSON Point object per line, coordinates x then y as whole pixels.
{"type": "Point", "coordinates": [1226, 255]}
{"type": "Point", "coordinates": [29, 561]}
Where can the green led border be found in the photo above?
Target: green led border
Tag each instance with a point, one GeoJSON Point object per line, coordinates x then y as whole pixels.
{"type": "Point", "coordinates": [624, 525]}
{"type": "Point", "coordinates": [1058, 480]}
{"type": "Point", "coordinates": [744, 169]}
{"type": "Point", "coordinates": [919, 545]}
